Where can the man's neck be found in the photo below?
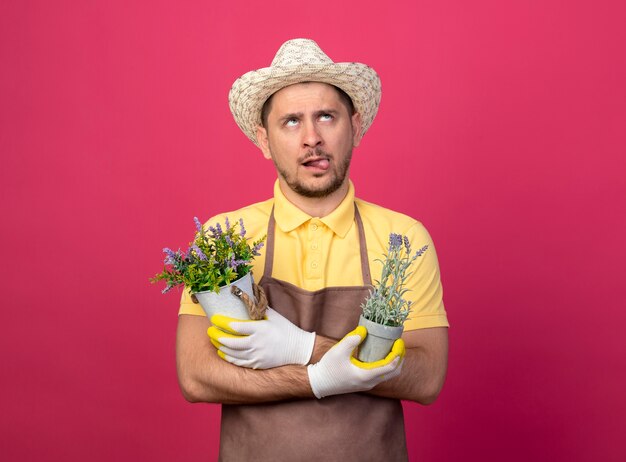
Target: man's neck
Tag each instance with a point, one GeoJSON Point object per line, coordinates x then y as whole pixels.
{"type": "Point", "coordinates": [316, 206]}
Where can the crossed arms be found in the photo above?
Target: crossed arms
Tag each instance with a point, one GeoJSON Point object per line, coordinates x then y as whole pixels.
{"type": "Point", "coordinates": [205, 377]}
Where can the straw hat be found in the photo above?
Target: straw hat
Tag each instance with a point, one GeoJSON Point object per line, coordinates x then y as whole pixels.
{"type": "Point", "coordinates": [302, 60]}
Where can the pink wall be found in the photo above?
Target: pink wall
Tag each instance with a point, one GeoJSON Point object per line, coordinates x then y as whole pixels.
{"type": "Point", "coordinates": [502, 128]}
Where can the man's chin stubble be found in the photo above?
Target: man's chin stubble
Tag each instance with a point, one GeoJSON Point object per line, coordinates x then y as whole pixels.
{"type": "Point", "coordinates": [303, 191]}
{"type": "Point", "coordinates": [315, 193]}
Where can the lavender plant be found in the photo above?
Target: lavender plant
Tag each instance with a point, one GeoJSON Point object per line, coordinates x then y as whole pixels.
{"type": "Point", "coordinates": [386, 303]}
{"type": "Point", "coordinates": [216, 257]}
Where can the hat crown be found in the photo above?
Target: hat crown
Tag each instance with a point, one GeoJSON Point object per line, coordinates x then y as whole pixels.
{"type": "Point", "coordinates": [296, 61]}
{"type": "Point", "coordinates": [298, 52]}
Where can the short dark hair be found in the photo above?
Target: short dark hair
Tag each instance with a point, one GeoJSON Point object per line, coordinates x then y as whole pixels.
{"type": "Point", "coordinates": [343, 96]}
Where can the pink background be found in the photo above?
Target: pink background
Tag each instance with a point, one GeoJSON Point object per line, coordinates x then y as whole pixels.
{"type": "Point", "coordinates": [502, 128]}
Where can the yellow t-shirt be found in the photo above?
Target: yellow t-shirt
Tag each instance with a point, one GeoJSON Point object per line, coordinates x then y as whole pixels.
{"type": "Point", "coordinates": [314, 253]}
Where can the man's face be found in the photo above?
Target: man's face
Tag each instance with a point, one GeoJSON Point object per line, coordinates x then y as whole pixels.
{"type": "Point", "coordinates": [309, 136]}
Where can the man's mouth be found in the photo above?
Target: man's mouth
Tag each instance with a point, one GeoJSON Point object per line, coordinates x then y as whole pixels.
{"type": "Point", "coordinates": [317, 163]}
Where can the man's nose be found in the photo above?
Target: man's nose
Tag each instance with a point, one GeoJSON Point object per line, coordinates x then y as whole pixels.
{"type": "Point", "coordinates": [311, 136]}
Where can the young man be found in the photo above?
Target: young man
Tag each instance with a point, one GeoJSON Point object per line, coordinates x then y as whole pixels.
{"type": "Point", "coordinates": [287, 384]}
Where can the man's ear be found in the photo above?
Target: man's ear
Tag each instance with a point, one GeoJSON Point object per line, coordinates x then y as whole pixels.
{"type": "Point", "coordinates": [261, 138]}
{"type": "Point", "coordinates": [357, 125]}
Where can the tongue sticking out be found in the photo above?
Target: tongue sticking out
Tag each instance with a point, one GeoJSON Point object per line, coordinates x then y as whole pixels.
{"type": "Point", "coordinates": [321, 164]}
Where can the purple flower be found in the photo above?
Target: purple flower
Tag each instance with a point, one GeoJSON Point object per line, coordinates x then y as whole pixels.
{"type": "Point", "coordinates": [199, 252]}
{"type": "Point", "coordinates": [229, 241]}
{"type": "Point", "coordinates": [227, 223]}
{"type": "Point", "coordinates": [170, 258]}
{"type": "Point", "coordinates": [235, 263]}
{"type": "Point", "coordinates": [256, 248]}
{"type": "Point", "coordinates": [198, 224]}
{"type": "Point", "coordinates": [421, 251]}
{"type": "Point", "coordinates": [216, 232]}
{"type": "Point", "coordinates": [242, 231]}
{"type": "Point", "coordinates": [395, 241]}
{"type": "Point", "coordinates": [407, 245]}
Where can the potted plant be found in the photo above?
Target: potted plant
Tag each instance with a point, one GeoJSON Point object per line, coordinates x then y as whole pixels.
{"type": "Point", "coordinates": [217, 260]}
{"type": "Point", "coordinates": [385, 309]}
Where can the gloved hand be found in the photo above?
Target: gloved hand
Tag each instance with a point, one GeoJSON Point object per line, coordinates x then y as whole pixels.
{"type": "Point", "coordinates": [271, 342]}
{"type": "Point", "coordinates": [339, 372]}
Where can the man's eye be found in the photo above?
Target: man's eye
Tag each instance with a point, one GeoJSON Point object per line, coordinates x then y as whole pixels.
{"type": "Point", "coordinates": [291, 122]}
{"type": "Point", "coordinates": [326, 117]}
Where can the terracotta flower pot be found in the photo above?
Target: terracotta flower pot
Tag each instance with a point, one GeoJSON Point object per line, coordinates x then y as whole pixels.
{"type": "Point", "coordinates": [224, 302]}
{"type": "Point", "coordinates": [379, 340]}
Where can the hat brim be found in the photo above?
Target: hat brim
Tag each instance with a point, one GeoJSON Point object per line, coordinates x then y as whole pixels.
{"type": "Point", "coordinates": [251, 90]}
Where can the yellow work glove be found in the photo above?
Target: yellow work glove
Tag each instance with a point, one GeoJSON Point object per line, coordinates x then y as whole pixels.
{"type": "Point", "coordinates": [339, 372]}
{"type": "Point", "coordinates": [271, 342]}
